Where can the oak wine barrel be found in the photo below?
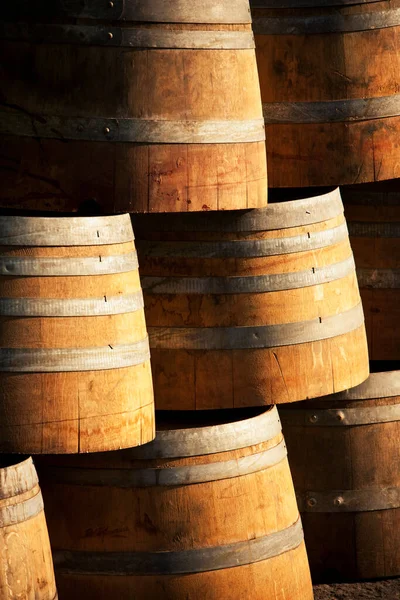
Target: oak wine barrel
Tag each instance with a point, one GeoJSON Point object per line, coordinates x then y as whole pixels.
{"type": "Point", "coordinates": [373, 215]}
{"type": "Point", "coordinates": [75, 370]}
{"type": "Point", "coordinates": [329, 86]}
{"type": "Point", "coordinates": [250, 308]}
{"type": "Point", "coordinates": [344, 454]}
{"type": "Point", "coordinates": [26, 564]}
{"type": "Point", "coordinates": [207, 510]}
{"type": "Point", "coordinates": [131, 106]}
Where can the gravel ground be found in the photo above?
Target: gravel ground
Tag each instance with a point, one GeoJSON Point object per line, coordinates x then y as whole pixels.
{"type": "Point", "coordinates": [388, 589]}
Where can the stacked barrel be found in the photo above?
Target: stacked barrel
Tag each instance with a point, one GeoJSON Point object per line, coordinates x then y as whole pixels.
{"type": "Point", "coordinates": [145, 107]}
{"type": "Point", "coordinates": [74, 368]}
{"type": "Point", "coordinates": [329, 86]}
{"type": "Point", "coordinates": [153, 107]}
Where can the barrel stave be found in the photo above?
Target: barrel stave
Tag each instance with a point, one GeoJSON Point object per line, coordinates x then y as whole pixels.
{"type": "Point", "coordinates": [26, 565]}
{"type": "Point", "coordinates": [244, 295]}
{"type": "Point", "coordinates": [352, 507]}
{"type": "Point", "coordinates": [373, 213]}
{"type": "Point", "coordinates": [174, 148]}
{"type": "Point", "coordinates": [74, 358]}
{"type": "Point", "coordinates": [221, 474]}
{"type": "Point", "coordinates": [339, 113]}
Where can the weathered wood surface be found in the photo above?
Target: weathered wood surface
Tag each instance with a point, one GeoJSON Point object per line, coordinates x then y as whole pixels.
{"type": "Point", "coordinates": [246, 313]}
{"type": "Point", "coordinates": [77, 134]}
{"type": "Point", "coordinates": [223, 531]}
{"type": "Point", "coordinates": [344, 456]}
{"type": "Point", "coordinates": [328, 76]}
{"type": "Point", "coordinates": [74, 356]}
{"type": "Point", "coordinates": [26, 565]}
{"type": "Point", "coordinates": [373, 213]}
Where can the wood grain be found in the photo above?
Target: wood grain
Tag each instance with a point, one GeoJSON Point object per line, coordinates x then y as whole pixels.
{"type": "Point", "coordinates": [328, 76]}
{"type": "Point", "coordinates": [169, 532]}
{"type": "Point", "coordinates": [373, 213]}
{"type": "Point", "coordinates": [191, 140]}
{"type": "Point", "coordinates": [351, 508]}
{"type": "Point", "coordinates": [218, 340]}
{"type": "Point", "coordinates": [75, 377]}
{"type": "Point", "coordinates": [26, 565]}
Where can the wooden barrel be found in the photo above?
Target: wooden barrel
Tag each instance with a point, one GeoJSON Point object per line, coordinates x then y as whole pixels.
{"type": "Point", "coordinates": [251, 308]}
{"type": "Point", "coordinates": [207, 510]}
{"type": "Point", "coordinates": [344, 454]}
{"type": "Point", "coordinates": [26, 565]}
{"type": "Point", "coordinates": [329, 86]}
{"type": "Point", "coordinates": [75, 370]}
{"type": "Point", "coordinates": [373, 214]}
{"type": "Point", "coordinates": [132, 105]}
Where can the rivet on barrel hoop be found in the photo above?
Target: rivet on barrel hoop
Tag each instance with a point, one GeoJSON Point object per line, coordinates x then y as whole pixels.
{"type": "Point", "coordinates": [339, 501]}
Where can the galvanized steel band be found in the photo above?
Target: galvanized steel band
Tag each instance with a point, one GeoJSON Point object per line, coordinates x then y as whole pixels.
{"type": "Point", "coordinates": [333, 22]}
{"type": "Point", "coordinates": [365, 500]}
{"type": "Point", "coordinates": [20, 266]}
{"type": "Point", "coordinates": [18, 513]}
{"type": "Point", "coordinates": [199, 441]}
{"type": "Point", "coordinates": [71, 307]}
{"type": "Point", "coordinates": [54, 360]}
{"type": "Point", "coordinates": [376, 230]}
{"type": "Point", "coordinates": [18, 478]}
{"type": "Point", "coordinates": [170, 477]}
{"type": "Point", "coordinates": [378, 385]}
{"type": "Point", "coordinates": [281, 215]}
{"type": "Point", "coordinates": [359, 109]}
{"type": "Point", "coordinates": [65, 231]}
{"type": "Point", "coordinates": [379, 279]}
{"type": "Point", "coordinates": [340, 417]}
{"type": "Point", "coordinates": [244, 248]}
{"type": "Point", "coordinates": [156, 11]}
{"type": "Point", "coordinates": [127, 37]}
{"type": "Point", "coordinates": [269, 336]}
{"type": "Point", "coordinates": [179, 562]}
{"type": "Point", "coordinates": [131, 130]}
{"type": "Point", "coordinates": [248, 285]}
{"type": "Point", "coordinates": [305, 3]}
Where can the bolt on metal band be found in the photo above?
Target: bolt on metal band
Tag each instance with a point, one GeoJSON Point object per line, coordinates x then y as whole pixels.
{"type": "Point", "coordinates": [65, 231]}
{"type": "Point", "coordinates": [365, 500]}
{"type": "Point", "coordinates": [20, 266]}
{"type": "Point", "coordinates": [280, 215]}
{"type": "Point", "coordinates": [248, 285]}
{"type": "Point", "coordinates": [245, 248]}
{"type": "Point", "coordinates": [127, 37]}
{"type": "Point", "coordinates": [269, 336]}
{"type": "Point", "coordinates": [71, 307]}
{"type": "Point", "coordinates": [340, 417]}
{"type": "Point", "coordinates": [54, 360]}
{"type": "Point", "coordinates": [144, 131]}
